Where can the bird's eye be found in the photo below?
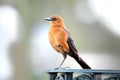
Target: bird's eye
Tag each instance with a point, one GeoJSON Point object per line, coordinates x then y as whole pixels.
{"type": "Point", "coordinates": [54, 19]}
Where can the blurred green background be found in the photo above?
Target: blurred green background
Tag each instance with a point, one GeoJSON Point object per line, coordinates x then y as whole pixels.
{"type": "Point", "coordinates": [25, 52]}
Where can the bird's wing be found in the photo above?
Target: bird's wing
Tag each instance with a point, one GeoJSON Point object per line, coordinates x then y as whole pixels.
{"type": "Point", "coordinates": [71, 43]}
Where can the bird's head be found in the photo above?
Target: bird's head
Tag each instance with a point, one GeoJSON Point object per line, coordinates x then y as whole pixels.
{"type": "Point", "coordinates": [55, 21]}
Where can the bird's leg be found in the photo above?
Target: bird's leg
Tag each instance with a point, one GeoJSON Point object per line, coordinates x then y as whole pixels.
{"type": "Point", "coordinates": [62, 63]}
{"type": "Point", "coordinates": [64, 55]}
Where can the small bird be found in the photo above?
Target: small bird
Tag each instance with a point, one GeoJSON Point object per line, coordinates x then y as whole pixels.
{"type": "Point", "coordinates": [60, 39]}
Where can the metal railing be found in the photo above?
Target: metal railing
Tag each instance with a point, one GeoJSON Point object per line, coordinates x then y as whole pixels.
{"type": "Point", "coordinates": [83, 74]}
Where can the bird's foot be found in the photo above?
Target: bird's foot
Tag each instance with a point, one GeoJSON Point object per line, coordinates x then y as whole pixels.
{"type": "Point", "coordinates": [62, 68]}
{"type": "Point", "coordinates": [57, 68]}
{"type": "Point", "coordinates": [67, 67]}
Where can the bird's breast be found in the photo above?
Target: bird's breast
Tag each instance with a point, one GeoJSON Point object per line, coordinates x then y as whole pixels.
{"type": "Point", "coordinates": [58, 39]}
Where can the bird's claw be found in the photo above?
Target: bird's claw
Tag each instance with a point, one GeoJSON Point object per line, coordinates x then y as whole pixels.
{"type": "Point", "coordinates": [57, 68]}
{"type": "Point", "coordinates": [67, 67]}
{"type": "Point", "coordinates": [62, 68]}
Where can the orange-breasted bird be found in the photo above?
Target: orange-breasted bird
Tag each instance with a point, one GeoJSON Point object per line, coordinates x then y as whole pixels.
{"type": "Point", "coordinates": [60, 39]}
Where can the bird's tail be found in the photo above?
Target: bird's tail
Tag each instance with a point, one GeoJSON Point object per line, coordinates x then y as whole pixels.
{"type": "Point", "coordinates": [81, 62]}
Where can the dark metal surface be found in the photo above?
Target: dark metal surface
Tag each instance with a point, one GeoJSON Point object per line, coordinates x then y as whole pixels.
{"type": "Point", "coordinates": [83, 77]}
{"type": "Point", "coordinates": [52, 76]}
{"type": "Point", "coordinates": [93, 74]}
{"type": "Point", "coordinates": [101, 71]}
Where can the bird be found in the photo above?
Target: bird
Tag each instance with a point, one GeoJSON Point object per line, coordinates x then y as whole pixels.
{"type": "Point", "coordinates": [62, 42]}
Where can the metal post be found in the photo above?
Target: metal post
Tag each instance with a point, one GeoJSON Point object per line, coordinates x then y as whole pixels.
{"type": "Point", "coordinates": [68, 76]}
{"type": "Point", "coordinates": [97, 76]}
{"type": "Point", "coordinates": [53, 76]}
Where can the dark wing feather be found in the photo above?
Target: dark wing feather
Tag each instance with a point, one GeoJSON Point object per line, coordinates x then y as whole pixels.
{"type": "Point", "coordinates": [71, 45]}
{"type": "Point", "coordinates": [74, 53]}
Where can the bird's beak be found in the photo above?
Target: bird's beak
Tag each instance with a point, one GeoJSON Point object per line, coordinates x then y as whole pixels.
{"type": "Point", "coordinates": [48, 19]}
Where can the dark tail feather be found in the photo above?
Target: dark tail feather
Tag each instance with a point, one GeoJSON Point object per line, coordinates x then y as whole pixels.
{"type": "Point", "coordinates": [81, 62]}
{"type": "Point", "coordinates": [73, 53]}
